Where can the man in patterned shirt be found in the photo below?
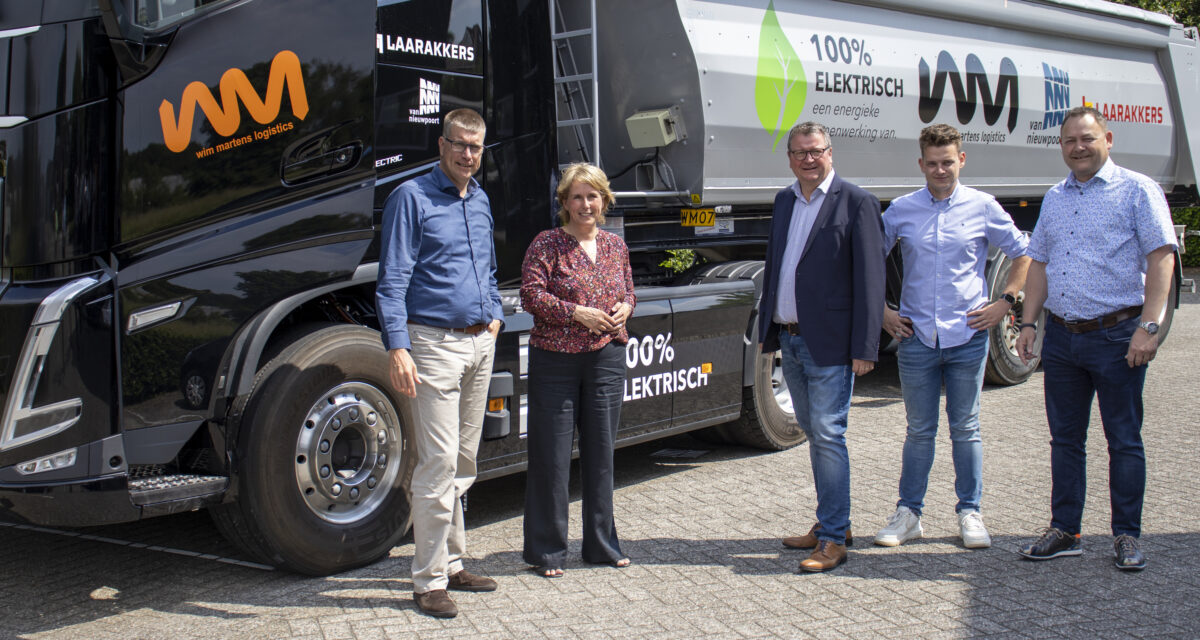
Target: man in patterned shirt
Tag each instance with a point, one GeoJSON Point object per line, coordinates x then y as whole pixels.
{"type": "Point", "coordinates": [1102, 261]}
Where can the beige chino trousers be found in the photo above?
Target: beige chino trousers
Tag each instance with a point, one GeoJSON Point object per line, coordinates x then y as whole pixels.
{"type": "Point", "coordinates": [455, 370]}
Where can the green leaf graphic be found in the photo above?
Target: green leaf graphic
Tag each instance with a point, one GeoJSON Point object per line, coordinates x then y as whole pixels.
{"type": "Point", "coordinates": [780, 85]}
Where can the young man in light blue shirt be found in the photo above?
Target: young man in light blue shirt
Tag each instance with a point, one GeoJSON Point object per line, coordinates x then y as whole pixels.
{"type": "Point", "coordinates": [944, 231]}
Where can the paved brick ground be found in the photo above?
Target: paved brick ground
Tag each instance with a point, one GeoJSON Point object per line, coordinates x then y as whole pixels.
{"type": "Point", "coordinates": [704, 535]}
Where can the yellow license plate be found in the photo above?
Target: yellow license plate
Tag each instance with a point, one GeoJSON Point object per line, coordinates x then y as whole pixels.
{"type": "Point", "coordinates": [697, 217]}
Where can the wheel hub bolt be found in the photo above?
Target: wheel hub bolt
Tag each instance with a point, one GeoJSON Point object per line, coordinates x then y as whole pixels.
{"type": "Point", "coordinates": [325, 471]}
{"type": "Point", "coordinates": [354, 414]}
{"type": "Point", "coordinates": [381, 460]}
{"type": "Point", "coordinates": [354, 493]}
{"type": "Point", "coordinates": [371, 418]}
{"type": "Point", "coordinates": [336, 489]}
{"type": "Point", "coordinates": [371, 482]}
{"type": "Point", "coordinates": [336, 424]}
{"type": "Point", "coordinates": [382, 437]}
{"type": "Point", "coordinates": [324, 446]}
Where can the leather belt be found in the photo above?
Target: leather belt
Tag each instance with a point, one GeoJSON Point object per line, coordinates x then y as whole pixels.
{"type": "Point", "coordinates": [1103, 322]}
{"type": "Point", "coordinates": [472, 330]}
{"type": "Point", "coordinates": [791, 328]}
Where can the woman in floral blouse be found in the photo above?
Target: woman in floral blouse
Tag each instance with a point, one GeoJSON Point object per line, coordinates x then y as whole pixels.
{"type": "Point", "coordinates": [577, 283]}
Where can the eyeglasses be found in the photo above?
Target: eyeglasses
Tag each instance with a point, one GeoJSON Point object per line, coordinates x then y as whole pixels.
{"type": "Point", "coordinates": [459, 146]}
{"type": "Point", "coordinates": [811, 154]}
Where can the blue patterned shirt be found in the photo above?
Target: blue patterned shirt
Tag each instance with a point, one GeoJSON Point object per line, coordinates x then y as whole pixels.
{"type": "Point", "coordinates": [944, 244]}
{"type": "Point", "coordinates": [1094, 238]}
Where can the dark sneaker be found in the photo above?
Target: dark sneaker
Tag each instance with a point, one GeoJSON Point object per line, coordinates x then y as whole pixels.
{"type": "Point", "coordinates": [436, 603]}
{"type": "Point", "coordinates": [1128, 556]}
{"type": "Point", "coordinates": [464, 581]}
{"type": "Point", "coordinates": [1052, 544]}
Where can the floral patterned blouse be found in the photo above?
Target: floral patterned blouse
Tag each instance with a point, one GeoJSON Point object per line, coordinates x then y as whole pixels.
{"type": "Point", "coordinates": [558, 275]}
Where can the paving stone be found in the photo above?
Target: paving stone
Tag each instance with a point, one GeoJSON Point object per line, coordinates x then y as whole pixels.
{"type": "Point", "coordinates": [704, 535]}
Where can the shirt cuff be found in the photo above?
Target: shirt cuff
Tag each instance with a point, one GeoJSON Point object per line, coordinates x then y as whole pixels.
{"type": "Point", "coordinates": [396, 340]}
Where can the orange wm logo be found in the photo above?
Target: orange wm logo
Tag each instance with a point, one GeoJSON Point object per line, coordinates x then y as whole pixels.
{"type": "Point", "coordinates": [226, 116]}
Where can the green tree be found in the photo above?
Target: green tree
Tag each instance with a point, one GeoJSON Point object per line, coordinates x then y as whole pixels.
{"type": "Point", "coordinates": [1186, 12]}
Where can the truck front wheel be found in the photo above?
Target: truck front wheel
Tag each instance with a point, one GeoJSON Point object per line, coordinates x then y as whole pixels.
{"type": "Point", "coordinates": [325, 457]}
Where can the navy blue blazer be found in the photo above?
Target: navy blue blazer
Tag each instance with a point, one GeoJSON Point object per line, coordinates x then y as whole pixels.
{"type": "Point", "coordinates": [840, 279]}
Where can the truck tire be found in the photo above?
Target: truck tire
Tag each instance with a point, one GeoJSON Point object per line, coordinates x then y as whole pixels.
{"type": "Point", "coordinates": [1004, 366]}
{"type": "Point", "coordinates": [324, 457]}
{"type": "Point", "coordinates": [767, 421]}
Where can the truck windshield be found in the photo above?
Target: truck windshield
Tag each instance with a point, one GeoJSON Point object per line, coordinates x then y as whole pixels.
{"type": "Point", "coordinates": [152, 15]}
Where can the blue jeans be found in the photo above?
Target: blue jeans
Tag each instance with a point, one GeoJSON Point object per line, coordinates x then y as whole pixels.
{"type": "Point", "coordinates": [922, 373]}
{"type": "Point", "coordinates": [1077, 367]}
{"type": "Point", "coordinates": [821, 398]}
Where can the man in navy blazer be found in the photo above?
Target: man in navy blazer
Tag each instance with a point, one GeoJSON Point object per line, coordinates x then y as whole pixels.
{"type": "Point", "coordinates": [822, 306]}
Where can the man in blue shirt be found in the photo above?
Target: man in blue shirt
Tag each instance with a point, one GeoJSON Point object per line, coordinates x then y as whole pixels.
{"type": "Point", "coordinates": [440, 312]}
{"type": "Point", "coordinates": [1102, 261]}
{"type": "Point", "coordinates": [944, 231]}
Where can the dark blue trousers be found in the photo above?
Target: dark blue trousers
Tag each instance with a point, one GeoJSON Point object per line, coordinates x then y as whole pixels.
{"type": "Point", "coordinates": [565, 390]}
{"type": "Point", "coordinates": [1077, 367]}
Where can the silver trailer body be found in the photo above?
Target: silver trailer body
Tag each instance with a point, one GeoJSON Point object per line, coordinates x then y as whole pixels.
{"type": "Point", "coordinates": [736, 75]}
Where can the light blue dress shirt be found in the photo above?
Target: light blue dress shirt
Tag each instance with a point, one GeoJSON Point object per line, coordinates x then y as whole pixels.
{"type": "Point", "coordinates": [1094, 238]}
{"type": "Point", "coordinates": [804, 215]}
{"type": "Point", "coordinates": [944, 244]}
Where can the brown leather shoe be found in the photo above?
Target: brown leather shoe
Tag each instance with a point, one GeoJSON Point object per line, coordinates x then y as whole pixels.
{"type": "Point", "coordinates": [828, 555]}
{"type": "Point", "coordinates": [809, 540]}
{"type": "Point", "coordinates": [436, 603]}
{"type": "Point", "coordinates": [464, 581]}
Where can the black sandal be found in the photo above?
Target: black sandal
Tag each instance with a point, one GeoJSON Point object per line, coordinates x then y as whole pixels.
{"type": "Point", "coordinates": [547, 572]}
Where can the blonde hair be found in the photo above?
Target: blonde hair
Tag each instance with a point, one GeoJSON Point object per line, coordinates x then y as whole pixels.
{"type": "Point", "coordinates": [590, 175]}
{"type": "Point", "coordinates": [468, 120]}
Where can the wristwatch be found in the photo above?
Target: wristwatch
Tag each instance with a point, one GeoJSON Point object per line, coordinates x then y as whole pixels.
{"type": "Point", "coordinates": [1149, 327]}
{"type": "Point", "coordinates": [1009, 298]}
{"type": "Point", "coordinates": [1031, 325]}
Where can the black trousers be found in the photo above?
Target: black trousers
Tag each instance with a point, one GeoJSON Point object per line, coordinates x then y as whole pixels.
{"type": "Point", "coordinates": [565, 390]}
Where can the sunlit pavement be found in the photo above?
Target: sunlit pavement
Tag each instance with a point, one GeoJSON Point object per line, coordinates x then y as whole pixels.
{"type": "Point", "coordinates": [704, 536]}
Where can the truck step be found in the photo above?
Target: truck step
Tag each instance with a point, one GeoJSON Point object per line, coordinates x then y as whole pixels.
{"type": "Point", "coordinates": [172, 487]}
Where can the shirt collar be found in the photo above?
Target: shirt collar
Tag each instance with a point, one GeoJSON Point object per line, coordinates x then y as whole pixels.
{"type": "Point", "coordinates": [949, 200]}
{"type": "Point", "coordinates": [822, 188]}
{"type": "Point", "coordinates": [443, 183]}
{"type": "Point", "coordinates": [1106, 174]}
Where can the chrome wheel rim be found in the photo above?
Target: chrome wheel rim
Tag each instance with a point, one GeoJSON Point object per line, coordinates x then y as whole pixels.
{"type": "Point", "coordinates": [347, 452]}
{"type": "Point", "coordinates": [779, 386]}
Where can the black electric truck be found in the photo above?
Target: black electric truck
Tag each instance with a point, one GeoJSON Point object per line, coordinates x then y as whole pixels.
{"type": "Point", "coordinates": [191, 194]}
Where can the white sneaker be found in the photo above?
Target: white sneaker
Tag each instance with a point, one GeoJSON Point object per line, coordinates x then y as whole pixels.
{"type": "Point", "coordinates": [974, 534]}
{"type": "Point", "coordinates": [902, 526]}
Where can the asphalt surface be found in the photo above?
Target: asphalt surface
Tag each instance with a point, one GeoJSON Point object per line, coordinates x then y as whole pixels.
{"type": "Point", "coordinates": [704, 536]}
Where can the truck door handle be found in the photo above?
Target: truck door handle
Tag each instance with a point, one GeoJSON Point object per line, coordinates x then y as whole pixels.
{"type": "Point", "coordinates": [315, 156]}
{"type": "Point", "coordinates": [324, 164]}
